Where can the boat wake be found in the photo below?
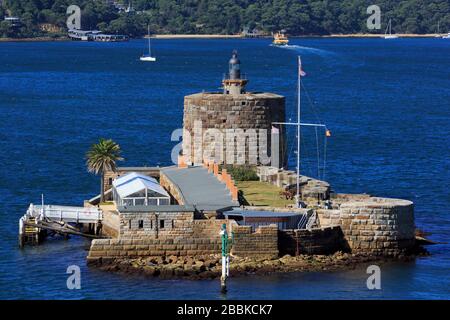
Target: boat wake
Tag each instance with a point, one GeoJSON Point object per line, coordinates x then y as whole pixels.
{"type": "Point", "coordinates": [304, 49]}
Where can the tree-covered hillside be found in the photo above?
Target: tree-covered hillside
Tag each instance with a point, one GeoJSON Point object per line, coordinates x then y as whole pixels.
{"type": "Point", "coordinates": [298, 17]}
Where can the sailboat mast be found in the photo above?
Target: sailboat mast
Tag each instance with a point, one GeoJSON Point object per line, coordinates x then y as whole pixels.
{"type": "Point", "coordinates": [298, 130]}
{"type": "Point", "coordinates": [149, 48]}
{"type": "Point", "coordinates": [390, 27]}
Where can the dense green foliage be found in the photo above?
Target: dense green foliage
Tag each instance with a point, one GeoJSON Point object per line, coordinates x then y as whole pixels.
{"type": "Point", "coordinates": [242, 173]}
{"type": "Point", "coordinates": [230, 16]}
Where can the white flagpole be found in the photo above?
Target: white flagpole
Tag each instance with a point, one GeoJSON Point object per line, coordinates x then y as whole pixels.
{"type": "Point", "coordinates": [298, 131]}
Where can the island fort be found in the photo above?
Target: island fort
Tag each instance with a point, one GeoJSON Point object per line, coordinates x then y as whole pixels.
{"type": "Point", "coordinates": [178, 211]}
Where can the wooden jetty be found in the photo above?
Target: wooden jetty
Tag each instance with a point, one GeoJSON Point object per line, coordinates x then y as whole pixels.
{"type": "Point", "coordinates": [43, 220]}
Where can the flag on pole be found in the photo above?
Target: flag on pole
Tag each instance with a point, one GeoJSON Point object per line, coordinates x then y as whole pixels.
{"type": "Point", "coordinates": [300, 69]}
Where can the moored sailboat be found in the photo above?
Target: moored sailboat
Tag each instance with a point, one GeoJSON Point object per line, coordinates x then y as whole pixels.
{"type": "Point", "coordinates": [390, 35]}
{"type": "Point", "coordinates": [148, 57]}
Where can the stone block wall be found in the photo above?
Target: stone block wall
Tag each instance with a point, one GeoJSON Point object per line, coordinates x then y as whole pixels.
{"type": "Point", "coordinates": [210, 228]}
{"type": "Point", "coordinates": [378, 226]}
{"type": "Point", "coordinates": [110, 223]}
{"type": "Point", "coordinates": [172, 189]}
{"type": "Point", "coordinates": [102, 249]}
{"type": "Point", "coordinates": [312, 191]}
{"type": "Point", "coordinates": [315, 241]}
{"type": "Point", "coordinates": [261, 243]}
{"type": "Point", "coordinates": [229, 114]}
{"type": "Point", "coordinates": [142, 225]}
{"type": "Point", "coordinates": [141, 234]}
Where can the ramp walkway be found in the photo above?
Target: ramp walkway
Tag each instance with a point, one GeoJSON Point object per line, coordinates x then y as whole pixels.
{"type": "Point", "coordinates": [200, 188]}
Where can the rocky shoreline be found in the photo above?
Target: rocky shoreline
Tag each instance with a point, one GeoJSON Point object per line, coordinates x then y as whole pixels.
{"type": "Point", "coordinates": [209, 267]}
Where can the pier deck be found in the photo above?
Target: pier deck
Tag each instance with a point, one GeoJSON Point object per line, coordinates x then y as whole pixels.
{"type": "Point", "coordinates": [66, 213]}
{"type": "Point", "coordinates": [39, 220]}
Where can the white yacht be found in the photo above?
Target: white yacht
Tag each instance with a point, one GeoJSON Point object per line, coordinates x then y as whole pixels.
{"type": "Point", "coordinates": [390, 35]}
{"type": "Point", "coordinates": [148, 57]}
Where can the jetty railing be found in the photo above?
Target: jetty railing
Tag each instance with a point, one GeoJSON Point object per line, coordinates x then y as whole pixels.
{"type": "Point", "coordinates": [40, 220]}
{"type": "Point", "coordinates": [66, 213]}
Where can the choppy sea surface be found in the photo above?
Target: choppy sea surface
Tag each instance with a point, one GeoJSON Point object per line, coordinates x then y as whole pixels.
{"type": "Point", "coordinates": [386, 102]}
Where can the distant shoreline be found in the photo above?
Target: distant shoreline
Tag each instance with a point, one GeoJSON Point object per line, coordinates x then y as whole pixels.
{"type": "Point", "coordinates": [371, 35]}
{"type": "Point", "coordinates": [37, 39]}
{"type": "Point", "coordinates": [230, 36]}
{"type": "Point", "coordinates": [355, 35]}
{"type": "Point", "coordinates": [198, 36]}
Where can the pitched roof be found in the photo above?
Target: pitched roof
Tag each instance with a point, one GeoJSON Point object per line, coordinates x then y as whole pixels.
{"type": "Point", "coordinates": [135, 182]}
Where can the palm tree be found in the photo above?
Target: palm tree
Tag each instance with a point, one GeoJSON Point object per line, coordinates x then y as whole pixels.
{"type": "Point", "coordinates": [102, 157]}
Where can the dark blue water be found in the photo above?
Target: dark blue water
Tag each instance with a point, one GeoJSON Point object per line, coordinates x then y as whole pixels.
{"type": "Point", "coordinates": [386, 102]}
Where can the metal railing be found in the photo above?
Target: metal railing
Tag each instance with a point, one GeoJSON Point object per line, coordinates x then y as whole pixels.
{"type": "Point", "coordinates": [311, 221]}
{"type": "Point", "coordinates": [307, 221]}
{"type": "Point", "coordinates": [66, 213]}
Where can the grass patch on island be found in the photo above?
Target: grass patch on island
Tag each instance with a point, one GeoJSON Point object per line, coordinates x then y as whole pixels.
{"type": "Point", "coordinates": [258, 193]}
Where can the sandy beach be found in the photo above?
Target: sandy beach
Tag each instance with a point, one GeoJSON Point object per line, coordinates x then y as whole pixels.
{"type": "Point", "coordinates": [372, 35]}
{"type": "Point", "coordinates": [197, 36]}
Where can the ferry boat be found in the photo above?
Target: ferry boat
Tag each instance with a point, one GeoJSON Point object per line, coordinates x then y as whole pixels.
{"type": "Point", "coordinates": [280, 39]}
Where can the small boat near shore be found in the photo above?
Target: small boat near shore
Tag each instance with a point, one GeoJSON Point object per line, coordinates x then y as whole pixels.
{"type": "Point", "coordinates": [447, 36]}
{"type": "Point", "coordinates": [148, 57]}
{"type": "Point", "coordinates": [390, 35]}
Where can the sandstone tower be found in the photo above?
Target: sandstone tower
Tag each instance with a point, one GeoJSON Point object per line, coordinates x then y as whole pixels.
{"type": "Point", "coordinates": [244, 121]}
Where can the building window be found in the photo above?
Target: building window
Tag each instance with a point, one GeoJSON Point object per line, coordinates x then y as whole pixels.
{"type": "Point", "coordinates": [172, 224]}
{"type": "Point", "coordinates": [110, 181]}
{"type": "Point", "coordinates": [161, 224]}
{"type": "Point", "coordinates": [141, 224]}
{"type": "Point", "coordinates": [129, 224]}
{"type": "Point", "coordinates": [151, 224]}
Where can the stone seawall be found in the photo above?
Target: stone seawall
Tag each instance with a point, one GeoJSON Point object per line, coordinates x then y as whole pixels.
{"type": "Point", "coordinates": [110, 249]}
{"type": "Point", "coordinates": [315, 241]}
{"type": "Point", "coordinates": [141, 235]}
{"type": "Point", "coordinates": [378, 226]}
{"type": "Point", "coordinates": [261, 243]}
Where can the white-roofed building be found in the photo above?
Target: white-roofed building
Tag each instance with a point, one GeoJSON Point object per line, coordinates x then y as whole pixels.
{"type": "Point", "coordinates": [136, 189]}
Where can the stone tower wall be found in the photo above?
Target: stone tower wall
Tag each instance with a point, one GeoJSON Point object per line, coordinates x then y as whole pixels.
{"type": "Point", "coordinates": [229, 113]}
